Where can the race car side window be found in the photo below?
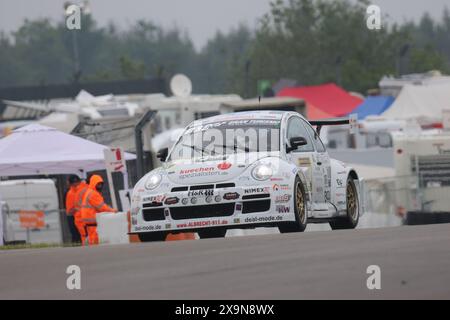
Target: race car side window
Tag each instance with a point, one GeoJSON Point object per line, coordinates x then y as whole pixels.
{"type": "Point", "coordinates": [315, 136]}
{"type": "Point", "coordinates": [296, 129]}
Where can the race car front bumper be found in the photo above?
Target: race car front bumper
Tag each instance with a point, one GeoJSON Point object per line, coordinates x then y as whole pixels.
{"type": "Point", "coordinates": [196, 208]}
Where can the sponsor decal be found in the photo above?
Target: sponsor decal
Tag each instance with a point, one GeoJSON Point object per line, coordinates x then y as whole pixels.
{"type": "Point", "coordinates": [200, 193]}
{"type": "Point", "coordinates": [194, 224]}
{"type": "Point", "coordinates": [278, 187]}
{"type": "Point", "coordinates": [283, 198]}
{"type": "Point", "coordinates": [157, 199]}
{"type": "Point", "coordinates": [304, 162]}
{"type": "Point", "coordinates": [263, 219]}
{"type": "Point", "coordinates": [231, 196]}
{"type": "Point", "coordinates": [201, 172]}
{"type": "Point", "coordinates": [282, 209]}
{"type": "Point", "coordinates": [148, 228]}
{"type": "Point", "coordinates": [224, 166]}
{"type": "Point", "coordinates": [339, 182]}
{"type": "Point", "coordinates": [172, 200]}
{"type": "Point", "coordinates": [196, 170]}
{"type": "Point", "coordinates": [237, 220]}
{"type": "Point", "coordinates": [276, 179]}
{"type": "Point", "coordinates": [168, 226]}
{"type": "Point", "coordinates": [238, 207]}
{"type": "Point", "coordinates": [243, 123]}
{"type": "Point", "coordinates": [256, 190]}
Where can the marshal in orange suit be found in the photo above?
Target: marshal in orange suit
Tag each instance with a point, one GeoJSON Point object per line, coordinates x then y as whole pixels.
{"type": "Point", "coordinates": [92, 204]}
{"type": "Point", "coordinates": [73, 203]}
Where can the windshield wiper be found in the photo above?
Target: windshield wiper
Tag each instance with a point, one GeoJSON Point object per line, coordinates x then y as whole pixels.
{"type": "Point", "coordinates": [234, 147]}
{"type": "Point", "coordinates": [195, 148]}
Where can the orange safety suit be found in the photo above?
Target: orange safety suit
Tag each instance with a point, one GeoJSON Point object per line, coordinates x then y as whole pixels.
{"type": "Point", "coordinates": [81, 189]}
{"type": "Point", "coordinates": [92, 204]}
{"type": "Point", "coordinates": [70, 201]}
{"type": "Point", "coordinates": [74, 199]}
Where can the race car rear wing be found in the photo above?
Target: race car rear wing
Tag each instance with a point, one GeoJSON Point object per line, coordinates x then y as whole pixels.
{"type": "Point", "coordinates": [329, 122]}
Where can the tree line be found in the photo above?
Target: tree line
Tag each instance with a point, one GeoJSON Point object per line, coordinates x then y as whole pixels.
{"type": "Point", "coordinates": [309, 41]}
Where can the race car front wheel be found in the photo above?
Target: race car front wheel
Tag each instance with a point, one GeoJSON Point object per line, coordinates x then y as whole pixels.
{"type": "Point", "coordinates": [152, 236]}
{"type": "Point", "coordinates": [352, 217]}
{"type": "Point", "coordinates": [299, 208]}
{"type": "Point", "coordinates": [212, 233]}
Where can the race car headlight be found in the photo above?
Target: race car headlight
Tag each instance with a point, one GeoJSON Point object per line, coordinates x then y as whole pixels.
{"type": "Point", "coordinates": [153, 181]}
{"type": "Point", "coordinates": [262, 172]}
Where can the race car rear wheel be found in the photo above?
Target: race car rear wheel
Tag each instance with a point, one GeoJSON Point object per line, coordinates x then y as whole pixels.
{"type": "Point", "coordinates": [152, 236]}
{"type": "Point", "coordinates": [352, 218]}
{"type": "Point", "coordinates": [212, 233]}
{"type": "Point", "coordinates": [299, 208]}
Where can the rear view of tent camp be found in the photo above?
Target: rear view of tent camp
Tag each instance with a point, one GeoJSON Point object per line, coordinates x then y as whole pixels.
{"type": "Point", "coordinates": [425, 102]}
{"type": "Point", "coordinates": [323, 101]}
{"type": "Point", "coordinates": [373, 106]}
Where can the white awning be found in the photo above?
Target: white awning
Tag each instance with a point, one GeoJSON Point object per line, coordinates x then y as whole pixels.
{"type": "Point", "coordinates": [36, 149]}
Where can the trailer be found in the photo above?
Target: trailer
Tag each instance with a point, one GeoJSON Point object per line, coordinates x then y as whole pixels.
{"type": "Point", "coordinates": [422, 185]}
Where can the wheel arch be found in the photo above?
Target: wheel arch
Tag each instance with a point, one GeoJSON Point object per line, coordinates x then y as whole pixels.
{"type": "Point", "coordinates": [352, 174]}
{"type": "Point", "coordinates": [306, 188]}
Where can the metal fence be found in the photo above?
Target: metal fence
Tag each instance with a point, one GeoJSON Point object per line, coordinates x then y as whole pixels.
{"type": "Point", "coordinates": [15, 232]}
{"type": "Point", "coordinates": [399, 195]}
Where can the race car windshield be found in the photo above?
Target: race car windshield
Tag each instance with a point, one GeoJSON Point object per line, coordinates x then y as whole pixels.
{"type": "Point", "coordinates": [228, 137]}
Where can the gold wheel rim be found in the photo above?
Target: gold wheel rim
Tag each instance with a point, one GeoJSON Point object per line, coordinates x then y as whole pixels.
{"type": "Point", "coordinates": [300, 203]}
{"type": "Point", "coordinates": [352, 207]}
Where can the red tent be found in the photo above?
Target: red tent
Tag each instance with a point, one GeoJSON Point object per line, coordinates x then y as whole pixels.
{"type": "Point", "coordinates": [326, 100]}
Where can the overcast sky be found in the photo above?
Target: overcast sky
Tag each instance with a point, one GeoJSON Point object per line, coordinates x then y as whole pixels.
{"type": "Point", "coordinates": [201, 18]}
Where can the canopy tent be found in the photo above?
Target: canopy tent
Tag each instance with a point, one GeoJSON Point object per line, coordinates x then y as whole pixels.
{"type": "Point", "coordinates": [327, 100]}
{"type": "Point", "coordinates": [420, 102]}
{"type": "Point", "coordinates": [40, 150]}
{"type": "Point", "coordinates": [314, 113]}
{"type": "Point", "coordinates": [375, 105]}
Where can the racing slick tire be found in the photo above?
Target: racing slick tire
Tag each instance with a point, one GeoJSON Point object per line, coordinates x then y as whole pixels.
{"type": "Point", "coordinates": [300, 210]}
{"type": "Point", "coordinates": [152, 236]}
{"type": "Point", "coordinates": [210, 233]}
{"type": "Point", "coordinates": [352, 217]}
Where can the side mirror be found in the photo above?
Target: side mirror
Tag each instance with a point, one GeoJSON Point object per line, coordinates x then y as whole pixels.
{"type": "Point", "coordinates": [296, 142]}
{"type": "Point", "coordinates": [162, 154]}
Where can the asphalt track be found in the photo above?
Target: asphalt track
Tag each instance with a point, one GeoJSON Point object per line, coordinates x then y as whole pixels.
{"type": "Point", "coordinates": [414, 262]}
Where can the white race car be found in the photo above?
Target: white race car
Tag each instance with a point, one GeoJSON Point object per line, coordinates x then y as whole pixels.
{"type": "Point", "coordinates": [245, 170]}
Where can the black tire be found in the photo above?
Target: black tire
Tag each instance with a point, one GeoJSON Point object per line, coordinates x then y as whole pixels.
{"type": "Point", "coordinates": [210, 233]}
{"type": "Point", "coordinates": [300, 210]}
{"type": "Point", "coordinates": [152, 236]}
{"type": "Point", "coordinates": [352, 218]}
